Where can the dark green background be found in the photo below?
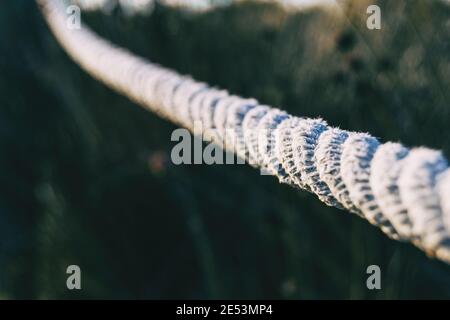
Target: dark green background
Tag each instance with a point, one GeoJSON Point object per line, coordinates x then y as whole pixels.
{"type": "Point", "coordinates": [86, 178]}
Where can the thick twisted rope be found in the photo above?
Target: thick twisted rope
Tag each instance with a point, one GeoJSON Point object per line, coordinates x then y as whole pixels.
{"type": "Point", "coordinates": [405, 192]}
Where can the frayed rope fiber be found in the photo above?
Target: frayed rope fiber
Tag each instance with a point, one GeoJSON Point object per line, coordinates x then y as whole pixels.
{"type": "Point", "coordinates": [405, 192]}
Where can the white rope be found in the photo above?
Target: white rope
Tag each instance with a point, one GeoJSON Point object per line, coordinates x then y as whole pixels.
{"type": "Point", "coordinates": [406, 193]}
{"type": "Point", "coordinates": [145, 6]}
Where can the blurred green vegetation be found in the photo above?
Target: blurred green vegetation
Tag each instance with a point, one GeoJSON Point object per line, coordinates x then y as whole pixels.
{"type": "Point", "coordinates": [86, 178]}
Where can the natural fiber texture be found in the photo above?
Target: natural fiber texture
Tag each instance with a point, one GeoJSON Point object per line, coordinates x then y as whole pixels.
{"type": "Point", "coordinates": [406, 193]}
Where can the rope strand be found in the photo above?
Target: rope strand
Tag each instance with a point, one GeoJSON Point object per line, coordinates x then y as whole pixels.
{"type": "Point", "coordinates": [404, 192]}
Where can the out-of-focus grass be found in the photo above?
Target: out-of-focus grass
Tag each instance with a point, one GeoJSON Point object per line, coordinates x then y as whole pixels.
{"type": "Point", "coordinates": [86, 178]}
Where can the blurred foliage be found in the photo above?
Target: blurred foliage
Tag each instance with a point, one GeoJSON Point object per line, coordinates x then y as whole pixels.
{"type": "Point", "coordinates": [86, 178]}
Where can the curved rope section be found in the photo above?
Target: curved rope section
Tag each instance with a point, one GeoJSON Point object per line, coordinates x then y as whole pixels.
{"type": "Point", "coordinates": [405, 192]}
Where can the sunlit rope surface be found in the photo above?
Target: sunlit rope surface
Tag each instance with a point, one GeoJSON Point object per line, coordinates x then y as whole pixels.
{"type": "Point", "coordinates": [146, 6]}
{"type": "Point", "coordinates": [405, 192]}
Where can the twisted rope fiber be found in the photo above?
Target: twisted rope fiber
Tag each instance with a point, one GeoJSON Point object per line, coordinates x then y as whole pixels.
{"type": "Point", "coordinates": [405, 192]}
